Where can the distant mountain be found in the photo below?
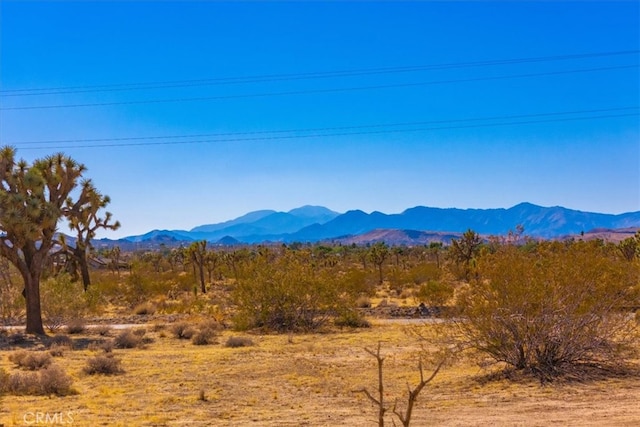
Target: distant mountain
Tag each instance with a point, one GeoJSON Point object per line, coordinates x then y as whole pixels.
{"type": "Point", "coordinates": [537, 221]}
{"type": "Point", "coordinates": [244, 219]}
{"type": "Point", "coordinates": [417, 225]}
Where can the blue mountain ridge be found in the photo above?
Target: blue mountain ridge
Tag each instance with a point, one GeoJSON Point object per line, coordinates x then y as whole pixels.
{"type": "Point", "coordinates": [316, 223]}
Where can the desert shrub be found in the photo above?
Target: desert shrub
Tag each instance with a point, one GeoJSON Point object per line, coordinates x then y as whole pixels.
{"type": "Point", "coordinates": [58, 344]}
{"type": "Point", "coordinates": [61, 301]}
{"type": "Point", "coordinates": [76, 326]}
{"type": "Point", "coordinates": [435, 293]}
{"type": "Point", "coordinates": [183, 330]}
{"type": "Point", "coordinates": [204, 336]}
{"type": "Point", "coordinates": [144, 309]}
{"type": "Point", "coordinates": [54, 380]}
{"type": "Point", "coordinates": [126, 339]}
{"type": "Point", "coordinates": [103, 365]}
{"type": "Point", "coordinates": [50, 380]}
{"type": "Point", "coordinates": [424, 272]}
{"type": "Point", "coordinates": [553, 310]}
{"type": "Point", "coordinates": [351, 319]}
{"type": "Point", "coordinates": [31, 360]}
{"type": "Point", "coordinates": [57, 350]}
{"type": "Point", "coordinates": [235, 342]}
{"type": "Point", "coordinates": [355, 281]}
{"type": "Point", "coordinates": [11, 300]}
{"type": "Point", "coordinates": [210, 324]}
{"type": "Point", "coordinates": [288, 293]}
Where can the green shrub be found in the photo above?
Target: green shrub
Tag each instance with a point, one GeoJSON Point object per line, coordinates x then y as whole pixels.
{"type": "Point", "coordinates": [351, 319]}
{"type": "Point", "coordinates": [435, 293]}
{"type": "Point", "coordinates": [286, 293]}
{"type": "Point", "coordinates": [62, 301]}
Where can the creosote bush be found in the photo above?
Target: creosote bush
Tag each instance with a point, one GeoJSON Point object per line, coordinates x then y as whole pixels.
{"type": "Point", "coordinates": [286, 292]}
{"type": "Point", "coordinates": [553, 310]}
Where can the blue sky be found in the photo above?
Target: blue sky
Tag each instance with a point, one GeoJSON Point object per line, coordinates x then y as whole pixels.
{"type": "Point", "coordinates": [400, 90]}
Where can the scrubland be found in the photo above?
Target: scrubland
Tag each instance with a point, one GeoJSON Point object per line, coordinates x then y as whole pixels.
{"type": "Point", "coordinates": [307, 379]}
{"type": "Point", "coordinates": [532, 334]}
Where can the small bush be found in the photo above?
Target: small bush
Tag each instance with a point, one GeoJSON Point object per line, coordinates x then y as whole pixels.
{"type": "Point", "coordinates": [31, 360]}
{"type": "Point", "coordinates": [234, 342]}
{"type": "Point", "coordinates": [54, 380]}
{"type": "Point", "coordinates": [103, 365]}
{"type": "Point", "coordinates": [126, 339]}
{"type": "Point", "coordinates": [51, 380]}
{"type": "Point", "coordinates": [145, 308]}
{"type": "Point", "coordinates": [183, 330]}
{"type": "Point", "coordinates": [204, 337]}
{"type": "Point", "coordinates": [210, 324]}
{"type": "Point", "coordinates": [76, 326]}
{"type": "Point", "coordinates": [61, 341]}
{"type": "Point", "coordinates": [351, 319]}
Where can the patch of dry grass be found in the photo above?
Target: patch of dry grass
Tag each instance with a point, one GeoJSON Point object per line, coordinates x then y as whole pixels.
{"type": "Point", "coordinates": [310, 380]}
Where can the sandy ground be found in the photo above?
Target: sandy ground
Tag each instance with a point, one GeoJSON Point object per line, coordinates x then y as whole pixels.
{"type": "Point", "coordinates": [307, 380]}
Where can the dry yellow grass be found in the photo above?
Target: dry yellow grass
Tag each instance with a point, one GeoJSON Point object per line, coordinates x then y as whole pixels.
{"type": "Point", "coordinates": [308, 380]}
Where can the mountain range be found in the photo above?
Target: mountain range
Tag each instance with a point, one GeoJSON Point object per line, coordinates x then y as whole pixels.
{"type": "Point", "coordinates": [417, 225]}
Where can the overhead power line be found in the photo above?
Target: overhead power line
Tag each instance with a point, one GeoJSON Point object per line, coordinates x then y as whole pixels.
{"type": "Point", "coordinates": [299, 76]}
{"type": "Point", "coordinates": [318, 91]}
{"type": "Point", "coordinates": [343, 133]}
{"type": "Point", "coordinates": [330, 128]}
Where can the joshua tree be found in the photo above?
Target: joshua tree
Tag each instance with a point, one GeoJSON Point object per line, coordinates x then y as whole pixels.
{"type": "Point", "coordinates": [33, 199]}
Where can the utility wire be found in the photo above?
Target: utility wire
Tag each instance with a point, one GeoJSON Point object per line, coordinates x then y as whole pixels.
{"type": "Point", "coordinates": [325, 129]}
{"type": "Point", "coordinates": [285, 137]}
{"type": "Point", "coordinates": [298, 76]}
{"type": "Point", "coordinates": [317, 91]}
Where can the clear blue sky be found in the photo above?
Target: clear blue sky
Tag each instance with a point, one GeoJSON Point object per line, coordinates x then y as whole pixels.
{"type": "Point", "coordinates": [221, 51]}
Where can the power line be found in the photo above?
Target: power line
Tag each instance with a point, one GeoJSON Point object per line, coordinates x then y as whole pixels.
{"type": "Point", "coordinates": [288, 137]}
{"type": "Point", "coordinates": [318, 91]}
{"type": "Point", "coordinates": [331, 128]}
{"type": "Point", "coordinates": [298, 76]}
